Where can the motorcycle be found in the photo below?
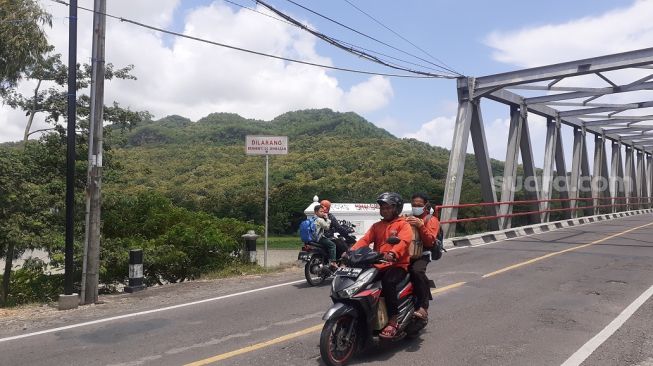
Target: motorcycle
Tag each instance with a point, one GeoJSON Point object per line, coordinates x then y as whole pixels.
{"type": "Point", "coordinates": [359, 312]}
{"type": "Point", "coordinates": [316, 257]}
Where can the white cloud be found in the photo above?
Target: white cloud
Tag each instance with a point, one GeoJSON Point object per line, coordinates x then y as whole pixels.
{"type": "Point", "coordinates": [181, 76]}
{"type": "Point", "coordinates": [615, 31]}
{"type": "Point", "coordinates": [370, 95]}
{"type": "Point", "coordinates": [440, 131]}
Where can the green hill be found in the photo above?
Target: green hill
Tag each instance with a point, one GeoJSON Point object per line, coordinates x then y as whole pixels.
{"type": "Point", "coordinates": [340, 156]}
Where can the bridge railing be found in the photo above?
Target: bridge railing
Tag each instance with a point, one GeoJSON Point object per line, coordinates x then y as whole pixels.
{"type": "Point", "coordinates": [615, 203]}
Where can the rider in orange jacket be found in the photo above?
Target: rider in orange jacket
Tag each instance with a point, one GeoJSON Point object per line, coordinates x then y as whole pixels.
{"type": "Point", "coordinates": [395, 228]}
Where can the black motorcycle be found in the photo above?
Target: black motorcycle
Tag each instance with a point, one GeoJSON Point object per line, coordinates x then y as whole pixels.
{"type": "Point", "coordinates": [359, 312]}
{"type": "Point", "coordinates": [316, 257]}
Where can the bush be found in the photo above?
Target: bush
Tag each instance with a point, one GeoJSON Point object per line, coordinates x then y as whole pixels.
{"type": "Point", "coordinates": [31, 284]}
{"type": "Point", "coordinates": [178, 244]}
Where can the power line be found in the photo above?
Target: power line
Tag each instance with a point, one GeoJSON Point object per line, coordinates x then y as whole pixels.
{"type": "Point", "coordinates": [400, 36]}
{"type": "Point", "coordinates": [336, 39]}
{"type": "Point", "coordinates": [251, 51]}
{"type": "Point", "coordinates": [367, 36]}
{"type": "Point", "coordinates": [355, 51]}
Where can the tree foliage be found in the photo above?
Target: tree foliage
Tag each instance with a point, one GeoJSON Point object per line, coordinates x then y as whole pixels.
{"type": "Point", "coordinates": [22, 38]}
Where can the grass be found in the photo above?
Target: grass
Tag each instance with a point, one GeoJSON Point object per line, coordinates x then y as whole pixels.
{"type": "Point", "coordinates": [241, 269]}
{"type": "Point", "coordinates": [280, 242]}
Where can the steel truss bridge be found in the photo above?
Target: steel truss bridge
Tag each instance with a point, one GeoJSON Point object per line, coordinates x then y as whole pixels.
{"type": "Point", "coordinates": [612, 111]}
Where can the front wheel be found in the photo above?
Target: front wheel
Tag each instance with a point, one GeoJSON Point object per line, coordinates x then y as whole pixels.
{"type": "Point", "coordinates": [339, 340]}
{"type": "Point", "coordinates": [313, 270]}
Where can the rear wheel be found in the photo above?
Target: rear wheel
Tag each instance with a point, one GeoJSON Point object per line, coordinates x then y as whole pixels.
{"type": "Point", "coordinates": [339, 340]}
{"type": "Point", "coordinates": [313, 270]}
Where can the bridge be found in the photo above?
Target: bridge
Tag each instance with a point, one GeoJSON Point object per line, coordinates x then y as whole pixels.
{"type": "Point", "coordinates": [558, 278]}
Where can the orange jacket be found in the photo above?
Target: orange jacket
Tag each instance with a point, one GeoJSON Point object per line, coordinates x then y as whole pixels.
{"type": "Point", "coordinates": [429, 232]}
{"type": "Point", "coordinates": [379, 233]}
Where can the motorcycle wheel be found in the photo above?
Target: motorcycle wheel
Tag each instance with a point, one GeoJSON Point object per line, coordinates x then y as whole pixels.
{"type": "Point", "coordinates": [313, 271]}
{"type": "Point", "coordinates": [335, 349]}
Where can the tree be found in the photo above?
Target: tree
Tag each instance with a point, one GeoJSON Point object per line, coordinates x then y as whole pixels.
{"type": "Point", "coordinates": [49, 69]}
{"type": "Point", "coordinates": [22, 38]}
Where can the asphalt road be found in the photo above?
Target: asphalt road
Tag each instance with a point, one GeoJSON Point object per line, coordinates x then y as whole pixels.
{"type": "Point", "coordinates": [530, 301]}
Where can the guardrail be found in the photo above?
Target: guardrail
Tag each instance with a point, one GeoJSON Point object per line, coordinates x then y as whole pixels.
{"type": "Point", "coordinates": [631, 203]}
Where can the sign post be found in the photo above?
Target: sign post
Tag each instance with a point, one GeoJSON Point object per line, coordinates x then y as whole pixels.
{"type": "Point", "coordinates": [266, 145]}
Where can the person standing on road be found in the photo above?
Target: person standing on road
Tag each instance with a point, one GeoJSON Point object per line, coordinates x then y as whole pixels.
{"type": "Point", "coordinates": [427, 227]}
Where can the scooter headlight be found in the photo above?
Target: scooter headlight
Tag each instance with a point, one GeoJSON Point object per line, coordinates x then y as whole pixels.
{"type": "Point", "coordinates": [361, 281]}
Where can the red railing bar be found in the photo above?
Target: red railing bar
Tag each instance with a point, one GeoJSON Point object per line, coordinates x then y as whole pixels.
{"type": "Point", "coordinates": [472, 219]}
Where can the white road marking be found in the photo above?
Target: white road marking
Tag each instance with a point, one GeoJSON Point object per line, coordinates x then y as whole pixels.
{"type": "Point", "coordinates": [594, 343]}
{"type": "Point", "coordinates": [144, 312]}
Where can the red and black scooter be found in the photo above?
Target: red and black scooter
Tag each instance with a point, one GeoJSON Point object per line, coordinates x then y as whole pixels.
{"type": "Point", "coordinates": [359, 313]}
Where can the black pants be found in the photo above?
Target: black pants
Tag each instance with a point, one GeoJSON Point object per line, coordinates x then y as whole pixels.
{"type": "Point", "coordinates": [421, 283]}
{"type": "Point", "coordinates": [391, 278]}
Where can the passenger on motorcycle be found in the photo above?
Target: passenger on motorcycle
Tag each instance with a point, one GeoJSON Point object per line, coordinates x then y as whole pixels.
{"type": "Point", "coordinates": [335, 228]}
{"type": "Point", "coordinates": [391, 237]}
{"type": "Point", "coordinates": [427, 226]}
{"type": "Point", "coordinates": [322, 224]}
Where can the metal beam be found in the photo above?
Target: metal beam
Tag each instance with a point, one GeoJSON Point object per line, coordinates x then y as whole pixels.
{"type": "Point", "coordinates": [585, 169]}
{"type": "Point", "coordinates": [630, 129]}
{"type": "Point", "coordinates": [456, 165]}
{"type": "Point", "coordinates": [483, 164]}
{"type": "Point", "coordinates": [531, 185]}
{"type": "Point", "coordinates": [510, 98]}
{"type": "Point", "coordinates": [566, 69]}
{"type": "Point", "coordinates": [584, 104]}
{"type": "Point", "coordinates": [579, 140]}
{"type": "Point", "coordinates": [552, 130]}
{"type": "Point", "coordinates": [599, 146]}
{"type": "Point", "coordinates": [563, 179]}
{"type": "Point", "coordinates": [510, 164]}
{"type": "Point", "coordinates": [642, 181]}
{"type": "Point", "coordinates": [616, 182]}
{"type": "Point", "coordinates": [649, 176]}
{"type": "Point", "coordinates": [585, 94]}
{"type": "Point", "coordinates": [584, 111]}
{"type": "Point", "coordinates": [631, 187]}
{"type": "Point", "coordinates": [629, 118]}
{"type": "Point", "coordinates": [607, 122]}
{"type": "Point", "coordinates": [606, 79]}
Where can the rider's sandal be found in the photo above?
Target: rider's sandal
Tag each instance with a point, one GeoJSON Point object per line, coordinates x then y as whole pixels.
{"type": "Point", "coordinates": [390, 330]}
{"type": "Point", "coordinates": [421, 314]}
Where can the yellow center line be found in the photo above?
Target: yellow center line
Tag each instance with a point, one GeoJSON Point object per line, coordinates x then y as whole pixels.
{"type": "Point", "coordinates": [530, 261]}
{"type": "Point", "coordinates": [318, 327]}
{"type": "Point", "coordinates": [254, 347]}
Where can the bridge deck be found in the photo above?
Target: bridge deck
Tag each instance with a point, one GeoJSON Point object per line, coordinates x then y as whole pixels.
{"type": "Point", "coordinates": [527, 301]}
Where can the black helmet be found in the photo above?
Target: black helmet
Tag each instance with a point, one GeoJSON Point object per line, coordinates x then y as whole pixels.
{"type": "Point", "coordinates": [392, 198]}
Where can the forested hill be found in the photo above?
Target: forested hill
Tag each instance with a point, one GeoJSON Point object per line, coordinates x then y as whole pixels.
{"type": "Point", "coordinates": [228, 128]}
{"type": "Point", "coordinates": [340, 156]}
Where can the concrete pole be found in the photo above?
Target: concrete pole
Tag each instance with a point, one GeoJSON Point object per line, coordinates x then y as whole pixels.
{"type": "Point", "coordinates": [91, 265]}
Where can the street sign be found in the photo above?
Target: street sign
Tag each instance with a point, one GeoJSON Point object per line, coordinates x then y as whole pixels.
{"type": "Point", "coordinates": [266, 145]}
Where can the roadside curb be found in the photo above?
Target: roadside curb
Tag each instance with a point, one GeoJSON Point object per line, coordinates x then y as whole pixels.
{"type": "Point", "coordinates": [493, 236]}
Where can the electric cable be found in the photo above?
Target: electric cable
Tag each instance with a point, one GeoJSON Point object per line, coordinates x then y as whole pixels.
{"type": "Point", "coordinates": [336, 39]}
{"type": "Point", "coordinates": [367, 36]}
{"type": "Point", "coordinates": [353, 50]}
{"type": "Point", "coordinates": [402, 37]}
{"type": "Point", "coordinates": [133, 22]}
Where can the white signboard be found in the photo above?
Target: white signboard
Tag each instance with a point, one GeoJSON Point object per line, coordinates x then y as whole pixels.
{"type": "Point", "coordinates": [266, 145]}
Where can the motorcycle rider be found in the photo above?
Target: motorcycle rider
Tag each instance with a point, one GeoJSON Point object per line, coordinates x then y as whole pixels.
{"type": "Point", "coordinates": [427, 227]}
{"type": "Point", "coordinates": [393, 272]}
{"type": "Point", "coordinates": [322, 224]}
{"type": "Point", "coordinates": [334, 228]}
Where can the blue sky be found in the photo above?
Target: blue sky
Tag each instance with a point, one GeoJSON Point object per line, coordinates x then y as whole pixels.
{"type": "Point", "coordinates": [475, 38]}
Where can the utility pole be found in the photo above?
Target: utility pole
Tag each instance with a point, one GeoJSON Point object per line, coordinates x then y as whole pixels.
{"type": "Point", "coordinates": [91, 265]}
{"type": "Point", "coordinates": [70, 147]}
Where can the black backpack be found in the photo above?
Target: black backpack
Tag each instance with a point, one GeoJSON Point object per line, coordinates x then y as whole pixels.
{"type": "Point", "coordinates": [438, 248]}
